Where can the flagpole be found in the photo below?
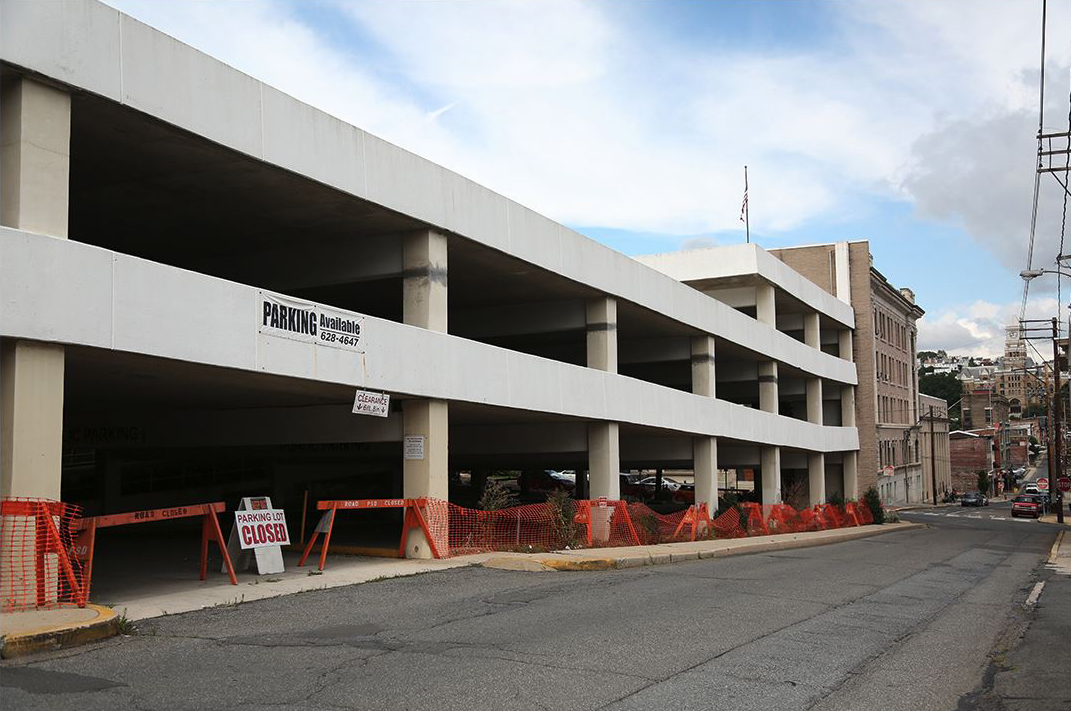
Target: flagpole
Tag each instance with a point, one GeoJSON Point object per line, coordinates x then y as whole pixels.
{"type": "Point", "coordinates": [747, 211]}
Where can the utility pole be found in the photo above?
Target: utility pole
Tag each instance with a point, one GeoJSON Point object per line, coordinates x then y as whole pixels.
{"type": "Point", "coordinates": [933, 459]}
{"type": "Point", "coordinates": [1058, 433]}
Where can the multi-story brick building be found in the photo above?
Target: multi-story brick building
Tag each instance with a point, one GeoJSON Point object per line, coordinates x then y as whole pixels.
{"type": "Point", "coordinates": [884, 347]}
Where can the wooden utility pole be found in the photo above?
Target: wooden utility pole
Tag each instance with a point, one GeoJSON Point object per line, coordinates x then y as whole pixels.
{"type": "Point", "coordinates": [1057, 429]}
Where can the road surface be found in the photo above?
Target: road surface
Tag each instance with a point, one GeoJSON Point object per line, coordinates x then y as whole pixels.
{"type": "Point", "coordinates": [911, 620]}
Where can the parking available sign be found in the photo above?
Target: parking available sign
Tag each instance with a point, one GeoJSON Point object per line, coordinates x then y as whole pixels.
{"type": "Point", "coordinates": [261, 528]}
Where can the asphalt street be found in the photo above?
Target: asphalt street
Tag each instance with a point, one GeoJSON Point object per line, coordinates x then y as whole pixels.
{"type": "Point", "coordinates": [920, 619]}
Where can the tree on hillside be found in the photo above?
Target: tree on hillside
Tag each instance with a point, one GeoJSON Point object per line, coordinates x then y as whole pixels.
{"type": "Point", "coordinates": [946, 386]}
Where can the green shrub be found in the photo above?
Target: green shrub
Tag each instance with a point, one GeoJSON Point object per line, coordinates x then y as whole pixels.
{"type": "Point", "coordinates": [836, 498]}
{"type": "Point", "coordinates": [872, 501]}
{"type": "Point", "coordinates": [495, 496]}
{"type": "Point", "coordinates": [562, 515]}
{"type": "Point", "coordinates": [983, 482]}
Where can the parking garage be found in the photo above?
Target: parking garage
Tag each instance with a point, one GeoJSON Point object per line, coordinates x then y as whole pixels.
{"type": "Point", "coordinates": [148, 241]}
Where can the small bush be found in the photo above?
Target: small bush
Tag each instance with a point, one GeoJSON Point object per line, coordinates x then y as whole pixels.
{"type": "Point", "coordinates": [872, 501]}
{"type": "Point", "coordinates": [836, 498]}
{"type": "Point", "coordinates": [983, 482]}
{"type": "Point", "coordinates": [562, 514]}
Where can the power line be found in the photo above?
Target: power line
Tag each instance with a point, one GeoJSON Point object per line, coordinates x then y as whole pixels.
{"type": "Point", "coordinates": [1037, 175]}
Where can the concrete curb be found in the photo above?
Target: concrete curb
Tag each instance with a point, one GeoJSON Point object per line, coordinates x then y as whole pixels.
{"type": "Point", "coordinates": [638, 556]}
{"type": "Point", "coordinates": [49, 638]}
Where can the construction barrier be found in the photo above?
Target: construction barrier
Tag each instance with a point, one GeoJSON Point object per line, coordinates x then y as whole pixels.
{"type": "Point", "coordinates": [85, 542]}
{"type": "Point", "coordinates": [417, 513]}
{"type": "Point", "coordinates": [37, 568]}
{"type": "Point", "coordinates": [454, 530]}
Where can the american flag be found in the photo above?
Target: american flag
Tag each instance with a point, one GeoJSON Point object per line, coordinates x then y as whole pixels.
{"type": "Point", "coordinates": [743, 205]}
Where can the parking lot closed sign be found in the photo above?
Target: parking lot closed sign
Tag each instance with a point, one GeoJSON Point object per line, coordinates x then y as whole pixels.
{"type": "Point", "coordinates": [258, 529]}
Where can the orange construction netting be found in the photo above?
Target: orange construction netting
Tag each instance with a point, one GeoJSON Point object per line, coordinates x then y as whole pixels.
{"type": "Point", "coordinates": [586, 524]}
{"type": "Point", "coordinates": [38, 566]}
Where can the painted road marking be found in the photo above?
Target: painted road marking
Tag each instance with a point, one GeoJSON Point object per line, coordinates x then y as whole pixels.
{"type": "Point", "coordinates": [1032, 599]}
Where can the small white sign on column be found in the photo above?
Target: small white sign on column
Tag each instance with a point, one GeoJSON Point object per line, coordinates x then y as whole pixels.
{"type": "Point", "coordinates": [414, 447]}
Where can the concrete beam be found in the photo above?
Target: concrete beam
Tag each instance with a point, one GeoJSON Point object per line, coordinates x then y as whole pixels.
{"type": "Point", "coordinates": [653, 350]}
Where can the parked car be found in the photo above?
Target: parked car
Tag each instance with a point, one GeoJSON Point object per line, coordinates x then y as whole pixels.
{"type": "Point", "coordinates": [668, 484]}
{"type": "Point", "coordinates": [974, 498]}
{"type": "Point", "coordinates": [1030, 488]}
{"type": "Point", "coordinates": [1028, 505]}
{"type": "Point", "coordinates": [631, 486]}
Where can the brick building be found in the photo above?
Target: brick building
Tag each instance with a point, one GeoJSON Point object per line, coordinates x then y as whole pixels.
{"type": "Point", "coordinates": [969, 453]}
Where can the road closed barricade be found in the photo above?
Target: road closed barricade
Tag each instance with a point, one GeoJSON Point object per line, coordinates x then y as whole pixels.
{"type": "Point", "coordinates": [414, 519]}
{"type": "Point", "coordinates": [85, 541]}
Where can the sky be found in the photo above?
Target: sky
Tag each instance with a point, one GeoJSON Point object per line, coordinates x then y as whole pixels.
{"type": "Point", "coordinates": [908, 124]}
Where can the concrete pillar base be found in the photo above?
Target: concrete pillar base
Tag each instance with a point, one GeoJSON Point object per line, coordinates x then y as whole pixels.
{"type": "Point", "coordinates": [851, 475]}
{"type": "Point", "coordinates": [705, 468]}
{"type": "Point", "coordinates": [771, 475]}
{"type": "Point", "coordinates": [425, 468]}
{"type": "Point", "coordinates": [604, 461]}
{"type": "Point", "coordinates": [31, 418]}
{"type": "Point", "coordinates": [816, 478]}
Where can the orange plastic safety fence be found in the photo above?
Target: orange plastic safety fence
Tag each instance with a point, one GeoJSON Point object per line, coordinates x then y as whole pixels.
{"type": "Point", "coordinates": [585, 524]}
{"type": "Point", "coordinates": [38, 568]}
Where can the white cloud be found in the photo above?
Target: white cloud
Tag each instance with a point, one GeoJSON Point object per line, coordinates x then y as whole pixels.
{"type": "Point", "coordinates": [978, 329]}
{"type": "Point", "coordinates": [576, 110]}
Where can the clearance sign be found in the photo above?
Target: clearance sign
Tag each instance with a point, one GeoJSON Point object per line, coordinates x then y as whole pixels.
{"type": "Point", "coordinates": [260, 528]}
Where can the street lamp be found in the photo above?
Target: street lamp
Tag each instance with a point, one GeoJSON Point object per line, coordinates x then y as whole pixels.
{"type": "Point", "coordinates": [1028, 274]}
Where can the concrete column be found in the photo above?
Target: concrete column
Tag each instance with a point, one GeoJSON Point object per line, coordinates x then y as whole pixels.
{"type": "Point", "coordinates": [816, 477]}
{"type": "Point", "coordinates": [31, 418]}
{"type": "Point", "coordinates": [424, 271]}
{"type": "Point", "coordinates": [602, 333]}
{"type": "Point", "coordinates": [847, 406]}
{"type": "Point", "coordinates": [705, 467]}
{"type": "Point", "coordinates": [844, 344]}
{"type": "Point", "coordinates": [851, 475]}
{"type": "Point", "coordinates": [703, 366]}
{"type": "Point", "coordinates": [425, 466]}
{"type": "Point", "coordinates": [768, 396]}
{"type": "Point", "coordinates": [604, 461]}
{"type": "Point", "coordinates": [812, 330]}
{"type": "Point", "coordinates": [765, 305]}
{"type": "Point", "coordinates": [814, 400]}
{"type": "Point", "coordinates": [35, 138]}
{"type": "Point", "coordinates": [771, 475]}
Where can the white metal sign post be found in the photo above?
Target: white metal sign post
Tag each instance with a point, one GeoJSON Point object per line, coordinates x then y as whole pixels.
{"type": "Point", "coordinates": [258, 534]}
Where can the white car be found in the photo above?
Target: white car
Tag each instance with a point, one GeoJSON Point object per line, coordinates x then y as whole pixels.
{"type": "Point", "coordinates": [1031, 488]}
{"type": "Point", "coordinates": [667, 483]}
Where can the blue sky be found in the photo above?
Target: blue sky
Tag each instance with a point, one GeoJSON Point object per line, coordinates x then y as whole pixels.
{"type": "Point", "coordinates": [906, 124]}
